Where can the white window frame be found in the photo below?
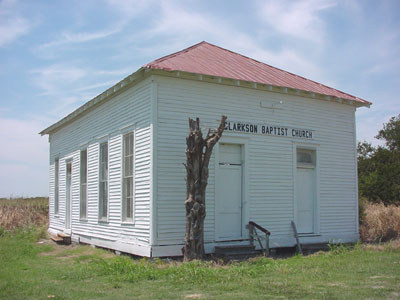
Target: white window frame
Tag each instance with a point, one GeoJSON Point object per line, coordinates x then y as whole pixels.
{"type": "Point", "coordinates": [56, 186]}
{"type": "Point", "coordinates": [124, 218]}
{"type": "Point", "coordinates": [101, 200]}
{"type": "Point", "coordinates": [81, 217]}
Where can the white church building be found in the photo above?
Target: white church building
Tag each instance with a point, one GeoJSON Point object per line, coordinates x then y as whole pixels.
{"type": "Point", "coordinates": [288, 153]}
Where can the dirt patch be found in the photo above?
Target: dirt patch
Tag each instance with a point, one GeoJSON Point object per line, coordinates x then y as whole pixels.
{"type": "Point", "coordinates": [379, 276]}
{"type": "Point", "coordinates": [336, 284]}
{"type": "Point", "coordinates": [194, 296]}
{"type": "Point", "coordinates": [56, 249]}
{"type": "Point", "coordinates": [377, 287]}
{"type": "Point", "coordinates": [65, 252]}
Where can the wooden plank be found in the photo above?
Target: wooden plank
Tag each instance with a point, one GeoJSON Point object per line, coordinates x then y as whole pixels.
{"type": "Point", "coordinates": [56, 239]}
{"type": "Point", "coordinates": [63, 235]}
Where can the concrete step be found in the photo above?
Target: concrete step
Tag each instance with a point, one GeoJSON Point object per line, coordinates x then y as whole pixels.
{"type": "Point", "coordinates": [236, 250]}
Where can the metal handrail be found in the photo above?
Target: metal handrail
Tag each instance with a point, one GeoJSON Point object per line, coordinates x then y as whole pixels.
{"type": "Point", "coordinates": [253, 232]}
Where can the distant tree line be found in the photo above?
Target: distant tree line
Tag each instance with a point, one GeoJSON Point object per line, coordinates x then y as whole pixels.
{"type": "Point", "coordinates": [379, 167]}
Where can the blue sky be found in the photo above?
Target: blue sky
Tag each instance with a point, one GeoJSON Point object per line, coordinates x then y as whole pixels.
{"type": "Point", "coordinates": [56, 55]}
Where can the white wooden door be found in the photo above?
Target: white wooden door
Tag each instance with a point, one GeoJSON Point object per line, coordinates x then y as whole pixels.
{"type": "Point", "coordinates": [68, 196]}
{"type": "Point", "coordinates": [306, 192]}
{"type": "Point", "coordinates": [228, 217]}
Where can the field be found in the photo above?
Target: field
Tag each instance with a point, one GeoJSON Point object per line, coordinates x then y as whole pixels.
{"type": "Point", "coordinates": [23, 212]}
{"type": "Point", "coordinates": [32, 267]}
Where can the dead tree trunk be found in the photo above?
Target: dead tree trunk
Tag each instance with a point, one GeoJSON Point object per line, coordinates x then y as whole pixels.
{"type": "Point", "coordinates": [198, 153]}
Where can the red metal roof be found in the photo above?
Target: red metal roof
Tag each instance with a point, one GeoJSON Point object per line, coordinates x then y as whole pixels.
{"type": "Point", "coordinates": [207, 59]}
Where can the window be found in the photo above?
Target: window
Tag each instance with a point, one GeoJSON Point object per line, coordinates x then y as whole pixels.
{"type": "Point", "coordinates": [83, 170]}
{"type": "Point", "coordinates": [305, 158]}
{"type": "Point", "coordinates": [56, 171]}
{"type": "Point", "coordinates": [103, 181]}
{"type": "Point", "coordinates": [127, 177]}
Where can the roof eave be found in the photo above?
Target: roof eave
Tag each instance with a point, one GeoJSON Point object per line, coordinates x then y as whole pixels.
{"type": "Point", "coordinates": [257, 85]}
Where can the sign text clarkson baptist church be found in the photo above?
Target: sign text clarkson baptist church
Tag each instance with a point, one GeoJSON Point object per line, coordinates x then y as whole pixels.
{"type": "Point", "coordinates": [284, 131]}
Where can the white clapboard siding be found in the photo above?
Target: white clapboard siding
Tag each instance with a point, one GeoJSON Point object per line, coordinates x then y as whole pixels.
{"type": "Point", "coordinates": [270, 159]}
{"type": "Point", "coordinates": [130, 110]}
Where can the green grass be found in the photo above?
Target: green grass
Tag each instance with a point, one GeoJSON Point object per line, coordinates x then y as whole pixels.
{"type": "Point", "coordinates": [29, 270]}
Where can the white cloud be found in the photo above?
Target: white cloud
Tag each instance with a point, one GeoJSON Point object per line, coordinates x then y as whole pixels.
{"type": "Point", "coordinates": [126, 11]}
{"type": "Point", "coordinates": [53, 77]}
{"type": "Point", "coordinates": [175, 19]}
{"type": "Point", "coordinates": [60, 71]}
{"type": "Point", "coordinates": [299, 19]}
{"type": "Point", "coordinates": [184, 26]}
{"type": "Point", "coordinates": [12, 26]}
{"type": "Point", "coordinates": [24, 158]}
{"type": "Point", "coordinates": [130, 8]}
{"type": "Point", "coordinates": [118, 72]}
{"type": "Point", "coordinates": [180, 25]}
{"type": "Point", "coordinates": [67, 86]}
{"type": "Point", "coordinates": [79, 37]}
{"type": "Point", "coordinates": [66, 104]}
{"type": "Point", "coordinates": [104, 84]}
{"type": "Point", "coordinates": [59, 79]}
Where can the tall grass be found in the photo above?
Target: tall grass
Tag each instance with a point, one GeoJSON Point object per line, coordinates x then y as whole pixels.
{"type": "Point", "coordinates": [380, 223]}
{"type": "Point", "coordinates": [17, 213]}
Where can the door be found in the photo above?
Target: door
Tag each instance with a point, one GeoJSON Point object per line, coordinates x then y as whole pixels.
{"type": "Point", "coordinates": [68, 196]}
{"type": "Point", "coordinates": [228, 217]}
{"type": "Point", "coordinates": [305, 191]}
